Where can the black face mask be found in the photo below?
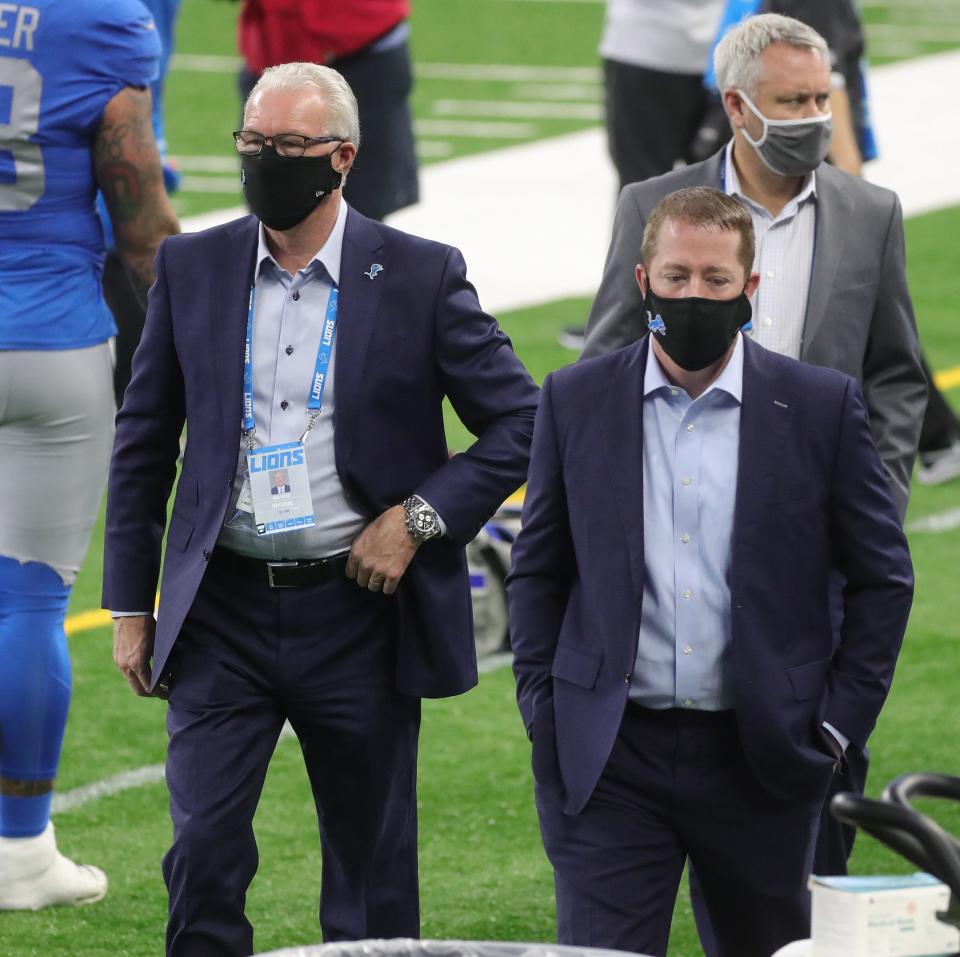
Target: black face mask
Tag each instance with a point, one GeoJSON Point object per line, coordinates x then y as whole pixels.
{"type": "Point", "coordinates": [282, 191]}
{"type": "Point", "coordinates": [695, 332]}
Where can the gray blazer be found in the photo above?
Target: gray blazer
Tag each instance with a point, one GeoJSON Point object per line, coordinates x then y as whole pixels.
{"type": "Point", "coordinates": [859, 315]}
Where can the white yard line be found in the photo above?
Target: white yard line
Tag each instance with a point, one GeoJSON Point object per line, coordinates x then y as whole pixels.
{"type": "Point", "coordinates": [211, 184]}
{"type": "Point", "coordinates": [225, 163]}
{"type": "Point", "coordinates": [945, 521]}
{"type": "Point", "coordinates": [508, 72]}
{"type": "Point", "coordinates": [473, 129]}
{"type": "Point", "coordinates": [518, 109]}
{"type": "Point", "coordinates": [592, 92]}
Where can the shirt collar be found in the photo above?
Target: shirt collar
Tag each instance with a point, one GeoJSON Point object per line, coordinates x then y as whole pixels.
{"type": "Point", "coordinates": [729, 381]}
{"type": "Point", "coordinates": [329, 254]}
{"type": "Point", "coordinates": [732, 181]}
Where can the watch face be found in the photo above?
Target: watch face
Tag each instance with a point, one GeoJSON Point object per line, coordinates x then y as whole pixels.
{"type": "Point", "coordinates": [425, 521]}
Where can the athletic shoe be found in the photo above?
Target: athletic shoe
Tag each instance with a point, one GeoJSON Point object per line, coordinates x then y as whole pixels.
{"type": "Point", "coordinates": [34, 874]}
{"type": "Point", "coordinates": [935, 468]}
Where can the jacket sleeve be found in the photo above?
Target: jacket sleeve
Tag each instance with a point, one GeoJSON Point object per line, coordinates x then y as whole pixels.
{"type": "Point", "coordinates": [144, 462]}
{"type": "Point", "coordinates": [870, 550]}
{"type": "Point", "coordinates": [543, 565]}
{"type": "Point", "coordinates": [495, 398]}
{"type": "Point", "coordinates": [894, 383]}
{"type": "Point", "coordinates": [614, 319]}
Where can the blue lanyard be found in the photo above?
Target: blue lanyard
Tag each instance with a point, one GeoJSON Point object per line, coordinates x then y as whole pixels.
{"type": "Point", "coordinates": [324, 351]}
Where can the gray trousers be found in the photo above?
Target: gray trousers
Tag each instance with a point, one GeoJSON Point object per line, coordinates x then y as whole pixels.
{"type": "Point", "coordinates": [56, 432]}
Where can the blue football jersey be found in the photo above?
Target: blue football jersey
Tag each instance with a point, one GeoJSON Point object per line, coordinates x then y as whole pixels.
{"type": "Point", "coordinates": [61, 62]}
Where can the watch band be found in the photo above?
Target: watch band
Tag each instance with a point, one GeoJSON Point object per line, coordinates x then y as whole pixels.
{"type": "Point", "coordinates": [422, 521]}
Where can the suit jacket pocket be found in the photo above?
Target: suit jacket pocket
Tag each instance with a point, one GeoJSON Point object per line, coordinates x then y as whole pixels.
{"type": "Point", "coordinates": [179, 533]}
{"type": "Point", "coordinates": [576, 665]}
{"type": "Point", "coordinates": [809, 680]}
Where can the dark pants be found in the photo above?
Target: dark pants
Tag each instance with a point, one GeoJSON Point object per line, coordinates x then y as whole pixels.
{"type": "Point", "coordinates": [677, 785]}
{"type": "Point", "coordinates": [129, 313]}
{"type": "Point", "coordinates": [652, 118]}
{"type": "Point", "coordinates": [248, 658]}
{"type": "Point", "coordinates": [384, 174]}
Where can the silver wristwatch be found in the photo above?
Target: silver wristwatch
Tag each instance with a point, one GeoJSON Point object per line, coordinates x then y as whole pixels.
{"type": "Point", "coordinates": [422, 520]}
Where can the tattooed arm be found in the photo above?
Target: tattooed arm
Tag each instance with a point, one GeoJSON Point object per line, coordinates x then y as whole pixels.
{"type": "Point", "coordinates": [127, 166]}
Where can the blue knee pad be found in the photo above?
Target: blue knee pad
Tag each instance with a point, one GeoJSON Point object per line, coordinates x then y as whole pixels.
{"type": "Point", "coordinates": [34, 687]}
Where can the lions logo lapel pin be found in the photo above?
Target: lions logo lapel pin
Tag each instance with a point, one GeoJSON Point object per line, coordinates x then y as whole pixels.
{"type": "Point", "coordinates": [374, 271]}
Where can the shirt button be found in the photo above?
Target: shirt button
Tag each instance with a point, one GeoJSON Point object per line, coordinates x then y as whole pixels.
{"type": "Point", "coordinates": [674, 392]}
{"type": "Point", "coordinates": [687, 593]}
{"type": "Point", "coordinates": [690, 426]}
{"type": "Point", "coordinates": [284, 405]}
{"type": "Point", "coordinates": [688, 650]}
{"type": "Point", "coordinates": [770, 274]}
{"type": "Point", "coordinates": [296, 296]}
{"type": "Point", "coordinates": [685, 538]}
{"type": "Point", "coordinates": [289, 350]}
{"type": "Point", "coordinates": [768, 321]}
{"type": "Point", "coordinates": [688, 702]}
{"type": "Point", "coordinates": [685, 481]}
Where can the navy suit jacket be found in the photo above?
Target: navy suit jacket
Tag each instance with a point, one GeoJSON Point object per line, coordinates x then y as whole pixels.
{"type": "Point", "coordinates": [405, 340]}
{"type": "Point", "coordinates": [811, 496]}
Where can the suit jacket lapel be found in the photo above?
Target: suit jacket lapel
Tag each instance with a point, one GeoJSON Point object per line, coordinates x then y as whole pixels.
{"type": "Point", "coordinates": [622, 425]}
{"type": "Point", "coordinates": [232, 269]}
{"type": "Point", "coordinates": [766, 416]}
{"type": "Point", "coordinates": [834, 212]}
{"type": "Point", "coordinates": [363, 246]}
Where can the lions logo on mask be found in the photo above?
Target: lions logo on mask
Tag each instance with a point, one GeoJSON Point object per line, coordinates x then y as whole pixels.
{"type": "Point", "coordinates": [656, 324]}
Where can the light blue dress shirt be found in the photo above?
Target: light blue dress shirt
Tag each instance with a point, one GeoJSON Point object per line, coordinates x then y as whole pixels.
{"type": "Point", "coordinates": [690, 454]}
{"type": "Point", "coordinates": [288, 318]}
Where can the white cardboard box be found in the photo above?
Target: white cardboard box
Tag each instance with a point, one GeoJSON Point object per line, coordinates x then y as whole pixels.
{"type": "Point", "coordinates": [881, 917]}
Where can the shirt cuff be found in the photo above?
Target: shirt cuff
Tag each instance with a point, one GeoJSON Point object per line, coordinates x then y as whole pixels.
{"type": "Point", "coordinates": [841, 739]}
{"type": "Point", "coordinates": [131, 614]}
{"type": "Point", "coordinates": [440, 521]}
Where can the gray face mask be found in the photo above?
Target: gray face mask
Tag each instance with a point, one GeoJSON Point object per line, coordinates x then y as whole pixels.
{"type": "Point", "coordinates": [791, 147]}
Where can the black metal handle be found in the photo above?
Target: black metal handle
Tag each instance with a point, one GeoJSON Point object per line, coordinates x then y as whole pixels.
{"type": "Point", "coordinates": [913, 835]}
{"type": "Point", "coordinates": [922, 784]}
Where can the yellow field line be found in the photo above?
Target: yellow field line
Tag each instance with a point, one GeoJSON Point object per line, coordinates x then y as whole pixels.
{"type": "Point", "coordinates": [85, 620]}
{"type": "Point", "coordinates": [947, 378]}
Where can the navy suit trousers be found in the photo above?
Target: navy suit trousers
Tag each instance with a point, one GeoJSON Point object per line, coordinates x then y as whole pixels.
{"type": "Point", "coordinates": [677, 786]}
{"type": "Point", "coordinates": [323, 657]}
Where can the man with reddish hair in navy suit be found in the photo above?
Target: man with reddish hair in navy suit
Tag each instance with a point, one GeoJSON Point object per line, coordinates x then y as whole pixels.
{"type": "Point", "coordinates": [687, 499]}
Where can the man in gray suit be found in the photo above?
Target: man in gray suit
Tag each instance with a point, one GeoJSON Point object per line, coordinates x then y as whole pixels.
{"type": "Point", "coordinates": [830, 250]}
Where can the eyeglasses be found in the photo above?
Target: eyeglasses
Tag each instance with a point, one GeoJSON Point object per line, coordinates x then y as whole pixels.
{"type": "Point", "coordinates": [290, 145]}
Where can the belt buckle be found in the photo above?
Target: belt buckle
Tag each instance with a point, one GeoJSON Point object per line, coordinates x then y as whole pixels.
{"type": "Point", "coordinates": [270, 570]}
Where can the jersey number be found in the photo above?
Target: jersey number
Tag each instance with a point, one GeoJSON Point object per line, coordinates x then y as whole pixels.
{"type": "Point", "coordinates": [24, 120]}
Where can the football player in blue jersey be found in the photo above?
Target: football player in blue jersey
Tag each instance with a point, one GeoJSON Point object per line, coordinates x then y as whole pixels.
{"type": "Point", "coordinates": [74, 116]}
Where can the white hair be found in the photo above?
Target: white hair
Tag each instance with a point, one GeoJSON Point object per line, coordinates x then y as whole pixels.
{"type": "Point", "coordinates": [736, 60]}
{"type": "Point", "coordinates": [343, 118]}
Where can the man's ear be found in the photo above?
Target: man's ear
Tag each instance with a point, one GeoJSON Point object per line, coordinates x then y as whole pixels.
{"type": "Point", "coordinates": [752, 282]}
{"type": "Point", "coordinates": [642, 280]}
{"type": "Point", "coordinates": [735, 108]}
{"type": "Point", "coordinates": [344, 158]}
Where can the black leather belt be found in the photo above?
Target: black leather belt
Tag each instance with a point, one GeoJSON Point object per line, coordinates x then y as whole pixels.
{"type": "Point", "coordinates": [281, 574]}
